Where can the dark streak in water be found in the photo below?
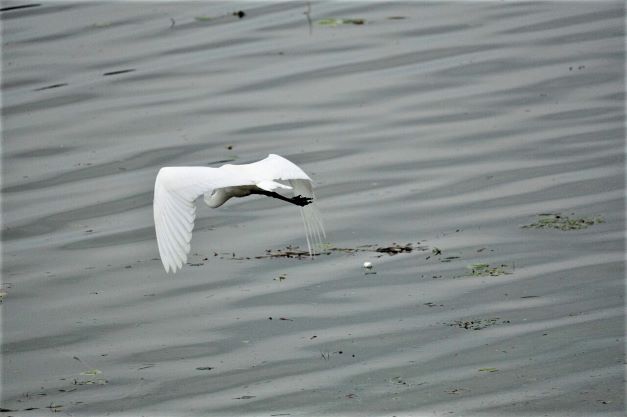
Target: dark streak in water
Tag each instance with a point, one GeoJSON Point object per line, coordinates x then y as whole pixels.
{"type": "Point", "coordinates": [23, 6]}
{"type": "Point", "coordinates": [118, 72]}
{"type": "Point", "coordinates": [49, 87]}
{"type": "Point", "coordinates": [43, 152]}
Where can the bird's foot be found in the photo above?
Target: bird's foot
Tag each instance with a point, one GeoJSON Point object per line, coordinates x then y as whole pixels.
{"type": "Point", "coordinates": [299, 200]}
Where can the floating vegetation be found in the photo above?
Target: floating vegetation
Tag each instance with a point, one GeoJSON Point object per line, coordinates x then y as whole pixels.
{"type": "Point", "coordinates": [326, 249]}
{"type": "Point", "coordinates": [488, 370]}
{"type": "Point", "coordinates": [486, 270]}
{"type": "Point", "coordinates": [561, 222]}
{"type": "Point", "coordinates": [336, 22]}
{"type": "Point", "coordinates": [296, 252]}
{"type": "Point", "coordinates": [203, 18]}
{"type": "Point", "coordinates": [476, 324]}
{"type": "Point", "coordinates": [92, 372]}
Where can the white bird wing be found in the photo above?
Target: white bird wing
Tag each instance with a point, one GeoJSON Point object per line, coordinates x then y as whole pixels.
{"type": "Point", "coordinates": [174, 208]}
{"type": "Point", "coordinates": [273, 167]}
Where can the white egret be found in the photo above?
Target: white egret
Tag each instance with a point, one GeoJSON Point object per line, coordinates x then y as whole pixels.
{"type": "Point", "coordinates": [177, 188]}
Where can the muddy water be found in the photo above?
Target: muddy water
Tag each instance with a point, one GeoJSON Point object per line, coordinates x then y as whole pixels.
{"type": "Point", "coordinates": [443, 125]}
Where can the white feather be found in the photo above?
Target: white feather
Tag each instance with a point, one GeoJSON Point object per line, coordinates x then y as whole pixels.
{"type": "Point", "coordinates": [177, 188]}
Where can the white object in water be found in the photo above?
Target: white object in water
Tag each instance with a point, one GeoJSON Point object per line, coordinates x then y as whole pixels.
{"type": "Point", "coordinates": [368, 265]}
{"type": "Point", "coordinates": [177, 188]}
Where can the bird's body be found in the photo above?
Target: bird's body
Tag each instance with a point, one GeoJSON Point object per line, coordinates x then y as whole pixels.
{"type": "Point", "coordinates": [177, 188]}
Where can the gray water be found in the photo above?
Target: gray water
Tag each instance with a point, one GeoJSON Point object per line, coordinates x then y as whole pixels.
{"type": "Point", "coordinates": [449, 128]}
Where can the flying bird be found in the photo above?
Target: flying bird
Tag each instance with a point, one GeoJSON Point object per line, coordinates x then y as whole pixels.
{"type": "Point", "coordinates": [177, 188]}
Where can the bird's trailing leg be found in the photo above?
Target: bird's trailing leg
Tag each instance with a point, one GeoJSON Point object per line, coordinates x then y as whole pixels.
{"type": "Point", "coordinates": [298, 200]}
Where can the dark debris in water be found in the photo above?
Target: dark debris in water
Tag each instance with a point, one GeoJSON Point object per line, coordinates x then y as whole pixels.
{"type": "Point", "coordinates": [561, 222]}
{"type": "Point", "coordinates": [477, 324]}
{"type": "Point", "coordinates": [485, 270]}
{"type": "Point", "coordinates": [297, 252]}
{"type": "Point", "coordinates": [336, 22]}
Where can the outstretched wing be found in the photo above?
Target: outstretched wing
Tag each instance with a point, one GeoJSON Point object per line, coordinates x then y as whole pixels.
{"type": "Point", "coordinates": [273, 167]}
{"type": "Point", "coordinates": [176, 189]}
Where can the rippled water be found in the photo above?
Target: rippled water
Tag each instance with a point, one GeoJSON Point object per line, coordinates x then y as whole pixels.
{"type": "Point", "coordinates": [447, 125]}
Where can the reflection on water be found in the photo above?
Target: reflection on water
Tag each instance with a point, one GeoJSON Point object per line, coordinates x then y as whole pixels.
{"type": "Point", "coordinates": [444, 125]}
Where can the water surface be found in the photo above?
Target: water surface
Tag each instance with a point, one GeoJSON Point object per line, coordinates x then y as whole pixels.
{"type": "Point", "coordinates": [444, 125]}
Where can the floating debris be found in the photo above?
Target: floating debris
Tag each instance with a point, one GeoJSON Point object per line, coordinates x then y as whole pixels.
{"type": "Point", "coordinates": [561, 222]}
{"type": "Point", "coordinates": [456, 390]}
{"type": "Point", "coordinates": [396, 248]}
{"type": "Point", "coordinates": [239, 13]}
{"type": "Point", "coordinates": [336, 22]}
{"type": "Point", "coordinates": [92, 372]}
{"type": "Point", "coordinates": [296, 252]}
{"type": "Point", "coordinates": [485, 270]}
{"type": "Point", "coordinates": [244, 397]}
{"type": "Point", "coordinates": [430, 304]}
{"type": "Point", "coordinates": [203, 18]}
{"type": "Point", "coordinates": [399, 380]}
{"type": "Point", "coordinates": [449, 258]}
{"type": "Point", "coordinates": [476, 324]}
{"type": "Point", "coordinates": [204, 368]}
